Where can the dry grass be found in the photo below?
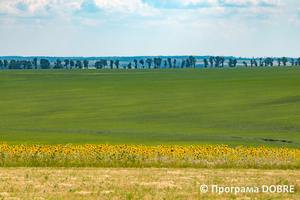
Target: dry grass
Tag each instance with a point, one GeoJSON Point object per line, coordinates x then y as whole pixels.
{"type": "Point", "coordinates": [146, 183]}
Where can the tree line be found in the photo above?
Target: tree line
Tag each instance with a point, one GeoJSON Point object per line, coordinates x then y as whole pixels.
{"type": "Point", "coordinates": [149, 63]}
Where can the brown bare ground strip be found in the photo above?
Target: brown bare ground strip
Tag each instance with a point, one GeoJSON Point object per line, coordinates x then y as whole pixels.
{"type": "Point", "coordinates": [146, 183]}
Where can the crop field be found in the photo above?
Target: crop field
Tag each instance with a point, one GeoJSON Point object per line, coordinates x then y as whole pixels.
{"type": "Point", "coordinates": [214, 106]}
{"type": "Point", "coordinates": [231, 127]}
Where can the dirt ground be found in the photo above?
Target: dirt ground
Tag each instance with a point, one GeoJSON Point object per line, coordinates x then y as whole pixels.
{"type": "Point", "coordinates": [147, 183]}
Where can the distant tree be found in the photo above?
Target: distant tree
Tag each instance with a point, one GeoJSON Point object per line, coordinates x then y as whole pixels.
{"type": "Point", "coordinates": [222, 61]}
{"type": "Point", "coordinates": [142, 63]}
{"type": "Point", "coordinates": [135, 63]}
{"type": "Point", "coordinates": [279, 61]}
{"type": "Point", "coordinates": [72, 64]}
{"type": "Point", "coordinates": [29, 64]}
{"type": "Point", "coordinates": [268, 61]}
{"type": "Point", "coordinates": [155, 62]}
{"type": "Point", "coordinates": [251, 62]}
{"type": "Point", "coordinates": [232, 62]}
{"type": "Point", "coordinates": [44, 64]}
{"type": "Point", "coordinates": [174, 63]}
{"type": "Point", "coordinates": [129, 66]}
{"type": "Point", "coordinates": [97, 64]}
{"type": "Point", "coordinates": [255, 63]}
{"type": "Point", "coordinates": [5, 63]}
{"type": "Point", "coordinates": [284, 60]}
{"type": "Point", "coordinates": [12, 64]}
{"type": "Point", "coordinates": [261, 63]}
{"type": "Point", "coordinates": [165, 63]}
{"type": "Point", "coordinates": [104, 62]}
{"type": "Point", "coordinates": [66, 61]}
{"type": "Point", "coordinates": [245, 63]}
{"type": "Point", "coordinates": [218, 61]}
{"type": "Point", "coordinates": [298, 59]}
{"type": "Point", "coordinates": [192, 61]}
{"type": "Point", "coordinates": [292, 61]}
{"type": "Point", "coordinates": [117, 63]}
{"type": "Point", "coordinates": [22, 62]}
{"type": "Point", "coordinates": [86, 63]}
{"type": "Point", "coordinates": [211, 61]}
{"type": "Point", "coordinates": [111, 64]}
{"type": "Point", "coordinates": [149, 62]}
{"type": "Point", "coordinates": [183, 63]}
{"type": "Point", "coordinates": [35, 63]}
{"type": "Point", "coordinates": [159, 60]}
{"type": "Point", "coordinates": [187, 63]}
{"type": "Point", "coordinates": [78, 64]}
{"type": "Point", "coordinates": [57, 64]}
{"type": "Point", "coordinates": [205, 61]}
{"type": "Point", "coordinates": [1, 64]}
{"type": "Point", "coordinates": [271, 62]}
{"type": "Point", "coordinates": [170, 62]}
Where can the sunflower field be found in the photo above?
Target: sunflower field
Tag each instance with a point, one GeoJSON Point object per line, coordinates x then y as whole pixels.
{"type": "Point", "coordinates": [106, 155]}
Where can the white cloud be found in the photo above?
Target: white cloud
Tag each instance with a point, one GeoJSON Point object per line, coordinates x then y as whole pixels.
{"type": "Point", "coordinates": [92, 22]}
{"type": "Point", "coordinates": [236, 2]}
{"type": "Point", "coordinates": [121, 5]}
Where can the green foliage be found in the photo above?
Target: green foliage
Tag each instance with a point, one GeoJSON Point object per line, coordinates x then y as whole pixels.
{"type": "Point", "coordinates": [44, 64]}
{"type": "Point", "coordinates": [279, 61]}
{"type": "Point", "coordinates": [66, 61]}
{"type": "Point", "coordinates": [117, 63]}
{"type": "Point", "coordinates": [135, 63]}
{"type": "Point", "coordinates": [86, 64]}
{"type": "Point", "coordinates": [111, 64]}
{"type": "Point", "coordinates": [205, 62]}
{"type": "Point", "coordinates": [5, 63]}
{"type": "Point", "coordinates": [182, 63]}
{"type": "Point", "coordinates": [72, 64]}
{"type": "Point", "coordinates": [232, 62]}
{"type": "Point", "coordinates": [218, 60]}
{"type": "Point", "coordinates": [149, 62]}
{"type": "Point", "coordinates": [142, 62]}
{"type": "Point", "coordinates": [129, 66]}
{"type": "Point", "coordinates": [35, 63]}
{"type": "Point", "coordinates": [78, 64]}
{"type": "Point", "coordinates": [192, 61]}
{"type": "Point", "coordinates": [292, 61]}
{"type": "Point", "coordinates": [57, 64]}
{"type": "Point", "coordinates": [170, 62]}
{"type": "Point", "coordinates": [211, 61]}
{"type": "Point", "coordinates": [284, 61]}
{"type": "Point", "coordinates": [268, 61]}
{"type": "Point", "coordinates": [174, 63]}
{"type": "Point", "coordinates": [234, 106]}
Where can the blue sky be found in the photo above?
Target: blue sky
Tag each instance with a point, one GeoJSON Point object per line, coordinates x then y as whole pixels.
{"type": "Point", "coordinates": [243, 28]}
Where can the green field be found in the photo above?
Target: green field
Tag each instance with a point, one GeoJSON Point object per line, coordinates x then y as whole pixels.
{"type": "Point", "coordinates": [234, 106]}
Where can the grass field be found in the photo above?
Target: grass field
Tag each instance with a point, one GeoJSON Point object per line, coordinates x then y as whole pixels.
{"type": "Point", "coordinates": [234, 106]}
{"type": "Point", "coordinates": [120, 183]}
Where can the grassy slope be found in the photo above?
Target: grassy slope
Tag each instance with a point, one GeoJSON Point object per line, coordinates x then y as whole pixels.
{"type": "Point", "coordinates": [235, 106]}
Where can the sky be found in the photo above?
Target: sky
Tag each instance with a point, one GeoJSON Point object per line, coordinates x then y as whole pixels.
{"type": "Point", "coordinates": [241, 28]}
